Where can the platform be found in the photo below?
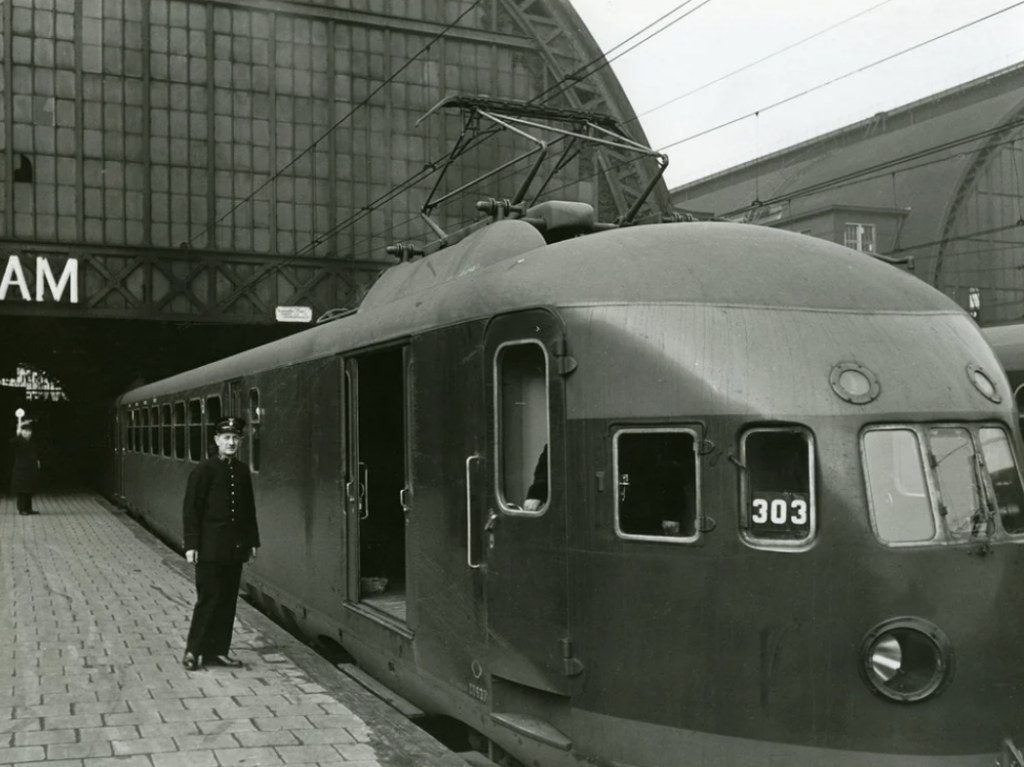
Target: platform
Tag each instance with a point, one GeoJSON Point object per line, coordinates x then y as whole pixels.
{"type": "Point", "coordinates": [93, 616]}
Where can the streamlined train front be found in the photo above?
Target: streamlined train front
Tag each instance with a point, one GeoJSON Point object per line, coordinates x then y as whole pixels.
{"type": "Point", "coordinates": [796, 511]}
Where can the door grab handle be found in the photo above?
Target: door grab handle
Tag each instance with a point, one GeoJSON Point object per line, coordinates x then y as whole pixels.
{"type": "Point", "coordinates": [363, 489]}
{"type": "Point", "coordinates": [469, 514]}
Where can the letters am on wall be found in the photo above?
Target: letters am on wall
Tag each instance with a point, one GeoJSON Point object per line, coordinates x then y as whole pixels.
{"type": "Point", "coordinates": [39, 279]}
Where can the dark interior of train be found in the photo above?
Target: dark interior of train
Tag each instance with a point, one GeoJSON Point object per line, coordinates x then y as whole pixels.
{"type": "Point", "coordinates": [381, 414]}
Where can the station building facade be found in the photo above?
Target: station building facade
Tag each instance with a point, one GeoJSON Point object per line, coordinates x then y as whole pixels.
{"type": "Point", "coordinates": [939, 181]}
{"type": "Point", "coordinates": [279, 138]}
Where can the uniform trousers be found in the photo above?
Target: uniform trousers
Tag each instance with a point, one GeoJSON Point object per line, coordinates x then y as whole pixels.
{"type": "Point", "coordinates": [24, 502]}
{"type": "Point", "coordinates": [214, 614]}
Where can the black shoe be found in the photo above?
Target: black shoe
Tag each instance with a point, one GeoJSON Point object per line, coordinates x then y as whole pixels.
{"type": "Point", "coordinates": [190, 661]}
{"type": "Point", "coordinates": [30, 511]}
{"type": "Point", "coordinates": [224, 660]}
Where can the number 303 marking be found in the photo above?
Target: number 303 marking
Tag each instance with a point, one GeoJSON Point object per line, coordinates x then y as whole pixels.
{"type": "Point", "coordinates": [779, 512]}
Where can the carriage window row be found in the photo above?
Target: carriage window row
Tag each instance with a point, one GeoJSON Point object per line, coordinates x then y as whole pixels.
{"type": "Point", "coordinates": [184, 430]}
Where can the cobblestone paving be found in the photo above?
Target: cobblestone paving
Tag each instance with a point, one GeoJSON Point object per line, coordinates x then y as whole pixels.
{"type": "Point", "coordinates": [92, 627]}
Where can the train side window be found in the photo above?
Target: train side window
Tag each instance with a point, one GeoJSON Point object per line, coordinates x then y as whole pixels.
{"type": "Point", "coordinates": [778, 487]}
{"type": "Point", "coordinates": [254, 430]}
{"type": "Point", "coordinates": [195, 430]}
{"type": "Point", "coordinates": [212, 416]}
{"type": "Point", "coordinates": [179, 429]}
{"type": "Point", "coordinates": [131, 431]}
{"type": "Point", "coordinates": [521, 390]}
{"type": "Point", "coordinates": [1006, 484]}
{"type": "Point", "coordinates": [165, 429]}
{"type": "Point", "coordinates": [656, 488]}
{"type": "Point", "coordinates": [145, 429]}
{"type": "Point", "coordinates": [154, 430]}
{"type": "Point", "coordinates": [897, 488]}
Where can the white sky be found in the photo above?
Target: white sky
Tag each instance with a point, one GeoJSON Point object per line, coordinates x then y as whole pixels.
{"type": "Point", "coordinates": [725, 35]}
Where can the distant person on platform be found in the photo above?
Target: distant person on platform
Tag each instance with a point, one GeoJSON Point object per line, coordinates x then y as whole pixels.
{"type": "Point", "coordinates": [26, 469]}
{"type": "Point", "coordinates": [219, 521]}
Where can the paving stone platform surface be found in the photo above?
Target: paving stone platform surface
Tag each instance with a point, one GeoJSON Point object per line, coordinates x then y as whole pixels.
{"type": "Point", "coordinates": [93, 616]}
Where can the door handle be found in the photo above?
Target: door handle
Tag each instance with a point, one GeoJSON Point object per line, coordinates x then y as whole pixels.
{"type": "Point", "coordinates": [469, 514]}
{"type": "Point", "coordinates": [403, 499]}
{"type": "Point", "coordinates": [363, 488]}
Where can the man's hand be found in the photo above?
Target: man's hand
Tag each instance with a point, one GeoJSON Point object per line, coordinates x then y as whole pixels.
{"type": "Point", "coordinates": [252, 555]}
{"type": "Point", "coordinates": [531, 504]}
{"type": "Point", "coordinates": [192, 556]}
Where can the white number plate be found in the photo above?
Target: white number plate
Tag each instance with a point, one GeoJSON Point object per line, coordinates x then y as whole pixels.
{"type": "Point", "coordinates": [776, 514]}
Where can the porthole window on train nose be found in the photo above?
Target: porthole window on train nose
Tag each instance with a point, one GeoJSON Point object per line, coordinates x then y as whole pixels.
{"type": "Point", "coordinates": [779, 508]}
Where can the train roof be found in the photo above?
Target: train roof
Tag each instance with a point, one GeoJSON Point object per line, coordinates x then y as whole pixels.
{"type": "Point", "coordinates": [1008, 343]}
{"type": "Point", "coordinates": [508, 266]}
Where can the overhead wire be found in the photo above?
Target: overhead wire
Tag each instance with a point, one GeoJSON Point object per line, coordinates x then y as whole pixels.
{"type": "Point", "coordinates": [761, 60]}
{"type": "Point", "coordinates": [834, 80]}
{"type": "Point", "coordinates": [863, 174]}
{"type": "Point", "coordinates": [603, 61]}
{"type": "Point", "coordinates": [340, 121]}
{"type": "Point", "coordinates": [575, 76]}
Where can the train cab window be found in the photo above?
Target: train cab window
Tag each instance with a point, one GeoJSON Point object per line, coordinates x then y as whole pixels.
{"type": "Point", "coordinates": [144, 427]}
{"type": "Point", "coordinates": [521, 410]}
{"type": "Point", "coordinates": [165, 429]}
{"type": "Point", "coordinates": [154, 430]}
{"type": "Point", "coordinates": [179, 429]}
{"type": "Point", "coordinates": [656, 492]}
{"type": "Point", "coordinates": [897, 488]}
{"type": "Point", "coordinates": [213, 414]}
{"type": "Point", "coordinates": [942, 484]}
{"type": "Point", "coordinates": [778, 487]}
{"type": "Point", "coordinates": [254, 430]}
{"type": "Point", "coordinates": [195, 430]}
{"type": "Point", "coordinates": [1006, 484]}
{"type": "Point", "coordinates": [954, 467]}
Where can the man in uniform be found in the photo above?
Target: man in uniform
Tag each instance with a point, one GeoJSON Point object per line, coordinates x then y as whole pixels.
{"type": "Point", "coordinates": [219, 521]}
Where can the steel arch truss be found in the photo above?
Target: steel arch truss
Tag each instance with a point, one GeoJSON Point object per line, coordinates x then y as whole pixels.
{"type": "Point", "coordinates": [570, 55]}
{"type": "Point", "coordinates": [1005, 142]}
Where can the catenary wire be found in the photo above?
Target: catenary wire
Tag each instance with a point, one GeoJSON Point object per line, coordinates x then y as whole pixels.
{"type": "Point", "coordinates": [761, 60]}
{"type": "Point", "coordinates": [834, 80]}
{"type": "Point", "coordinates": [340, 121]}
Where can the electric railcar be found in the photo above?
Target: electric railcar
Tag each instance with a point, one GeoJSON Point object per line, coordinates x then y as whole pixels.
{"type": "Point", "coordinates": [783, 517]}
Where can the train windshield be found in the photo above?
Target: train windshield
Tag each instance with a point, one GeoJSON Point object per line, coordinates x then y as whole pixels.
{"type": "Point", "coordinates": [942, 484]}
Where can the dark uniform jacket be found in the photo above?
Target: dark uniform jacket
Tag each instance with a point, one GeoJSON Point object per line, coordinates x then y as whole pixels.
{"type": "Point", "coordinates": [25, 472]}
{"type": "Point", "coordinates": [219, 514]}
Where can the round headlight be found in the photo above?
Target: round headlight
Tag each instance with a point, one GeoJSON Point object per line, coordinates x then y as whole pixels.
{"type": "Point", "coordinates": [907, 659]}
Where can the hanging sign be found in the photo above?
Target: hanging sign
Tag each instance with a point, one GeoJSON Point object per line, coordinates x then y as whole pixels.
{"type": "Point", "coordinates": [293, 314]}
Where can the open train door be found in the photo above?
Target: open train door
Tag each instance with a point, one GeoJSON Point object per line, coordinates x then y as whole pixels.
{"type": "Point", "coordinates": [525, 549]}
